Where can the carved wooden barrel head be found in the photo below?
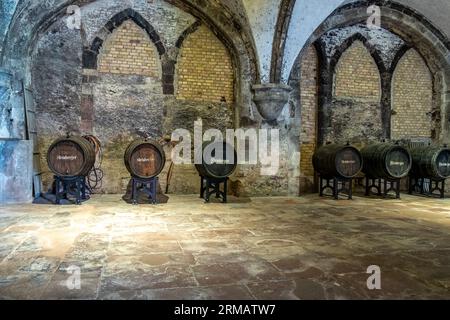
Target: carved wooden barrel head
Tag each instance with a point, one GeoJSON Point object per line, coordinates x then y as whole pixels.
{"type": "Point", "coordinates": [145, 159]}
{"type": "Point", "coordinates": [69, 157]}
{"type": "Point", "coordinates": [219, 160]}
{"type": "Point", "coordinates": [348, 162]}
{"type": "Point", "coordinates": [386, 161]}
{"type": "Point", "coordinates": [398, 162]}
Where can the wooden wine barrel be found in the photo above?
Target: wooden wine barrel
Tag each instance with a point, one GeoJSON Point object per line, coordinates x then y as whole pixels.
{"type": "Point", "coordinates": [431, 162]}
{"type": "Point", "coordinates": [386, 161]}
{"type": "Point", "coordinates": [145, 159]}
{"type": "Point", "coordinates": [340, 161]}
{"type": "Point", "coordinates": [221, 167]}
{"type": "Point", "coordinates": [70, 157]}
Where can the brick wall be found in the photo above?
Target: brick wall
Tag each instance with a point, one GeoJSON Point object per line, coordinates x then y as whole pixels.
{"type": "Point", "coordinates": [204, 70]}
{"type": "Point", "coordinates": [412, 98]}
{"type": "Point", "coordinates": [309, 105]}
{"type": "Point", "coordinates": [129, 51]}
{"type": "Point", "coordinates": [357, 75]}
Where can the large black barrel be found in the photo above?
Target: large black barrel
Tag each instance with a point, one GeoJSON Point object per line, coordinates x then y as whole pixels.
{"type": "Point", "coordinates": [70, 157]}
{"type": "Point", "coordinates": [431, 162]}
{"type": "Point", "coordinates": [386, 161]}
{"type": "Point", "coordinates": [219, 166]}
{"type": "Point", "coordinates": [340, 161]}
{"type": "Point", "coordinates": [145, 159]}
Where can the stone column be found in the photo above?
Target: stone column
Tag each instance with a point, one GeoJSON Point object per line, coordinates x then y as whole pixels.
{"type": "Point", "coordinates": [271, 99]}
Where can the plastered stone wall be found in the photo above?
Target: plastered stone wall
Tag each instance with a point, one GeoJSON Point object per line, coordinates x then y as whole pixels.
{"type": "Point", "coordinates": [412, 98]}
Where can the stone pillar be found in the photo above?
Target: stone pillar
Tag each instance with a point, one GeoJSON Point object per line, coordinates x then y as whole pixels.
{"type": "Point", "coordinates": [6, 112]}
{"type": "Point", "coordinates": [16, 154]}
{"type": "Point", "coordinates": [271, 100]}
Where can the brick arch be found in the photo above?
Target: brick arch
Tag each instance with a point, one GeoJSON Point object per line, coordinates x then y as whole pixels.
{"type": "Point", "coordinates": [348, 43]}
{"type": "Point", "coordinates": [33, 19]}
{"type": "Point", "coordinates": [204, 69]}
{"type": "Point", "coordinates": [416, 31]}
{"type": "Point", "coordinates": [126, 46]}
{"type": "Point", "coordinates": [90, 54]}
{"type": "Point", "coordinates": [279, 40]}
{"type": "Point", "coordinates": [191, 29]}
{"type": "Point", "coordinates": [366, 62]}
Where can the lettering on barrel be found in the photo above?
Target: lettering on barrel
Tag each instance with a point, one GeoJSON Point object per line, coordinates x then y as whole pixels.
{"type": "Point", "coordinates": [348, 161]}
{"type": "Point", "coordinates": [220, 161]}
{"type": "Point", "coordinates": [444, 164]}
{"type": "Point", "coordinates": [66, 158]}
{"type": "Point", "coordinates": [397, 163]}
{"type": "Point", "coordinates": [143, 160]}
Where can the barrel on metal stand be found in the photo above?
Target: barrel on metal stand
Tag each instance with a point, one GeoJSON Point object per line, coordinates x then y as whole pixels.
{"type": "Point", "coordinates": [386, 161]}
{"type": "Point", "coordinates": [341, 161]}
{"type": "Point", "coordinates": [337, 165]}
{"type": "Point", "coordinates": [219, 160]}
{"type": "Point", "coordinates": [144, 159]}
{"type": "Point", "coordinates": [431, 162]}
{"type": "Point", "coordinates": [219, 166]}
{"type": "Point", "coordinates": [71, 157]}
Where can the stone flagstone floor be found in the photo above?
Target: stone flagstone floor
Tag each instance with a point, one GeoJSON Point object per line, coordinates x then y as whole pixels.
{"type": "Point", "coordinates": [263, 248]}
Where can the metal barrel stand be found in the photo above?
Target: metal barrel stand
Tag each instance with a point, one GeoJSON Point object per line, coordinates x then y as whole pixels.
{"type": "Point", "coordinates": [382, 186]}
{"type": "Point", "coordinates": [151, 184]}
{"type": "Point", "coordinates": [63, 185]}
{"type": "Point", "coordinates": [337, 186]}
{"type": "Point", "coordinates": [427, 187]}
{"type": "Point", "coordinates": [210, 186]}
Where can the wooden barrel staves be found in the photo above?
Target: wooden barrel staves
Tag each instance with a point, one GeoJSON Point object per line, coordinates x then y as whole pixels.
{"type": "Point", "coordinates": [431, 162]}
{"type": "Point", "coordinates": [340, 161]}
{"type": "Point", "coordinates": [386, 161]}
{"type": "Point", "coordinates": [71, 157]}
{"type": "Point", "coordinates": [216, 165]}
{"type": "Point", "coordinates": [145, 159]}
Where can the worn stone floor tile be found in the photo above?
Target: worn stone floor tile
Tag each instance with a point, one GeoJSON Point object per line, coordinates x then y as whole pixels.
{"type": "Point", "coordinates": [271, 248]}
{"type": "Point", "coordinates": [23, 285]}
{"type": "Point", "coordinates": [236, 273]}
{"type": "Point", "coordinates": [133, 246]}
{"type": "Point", "coordinates": [273, 290]}
{"type": "Point", "coordinates": [62, 286]}
{"type": "Point", "coordinates": [141, 275]}
{"type": "Point", "coordinates": [227, 292]}
{"type": "Point", "coordinates": [28, 263]}
{"type": "Point", "coordinates": [212, 246]}
{"type": "Point", "coordinates": [220, 257]}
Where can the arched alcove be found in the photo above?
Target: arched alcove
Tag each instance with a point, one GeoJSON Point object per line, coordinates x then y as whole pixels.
{"type": "Point", "coordinates": [204, 69]}
{"type": "Point", "coordinates": [412, 98]}
{"type": "Point", "coordinates": [356, 75]}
